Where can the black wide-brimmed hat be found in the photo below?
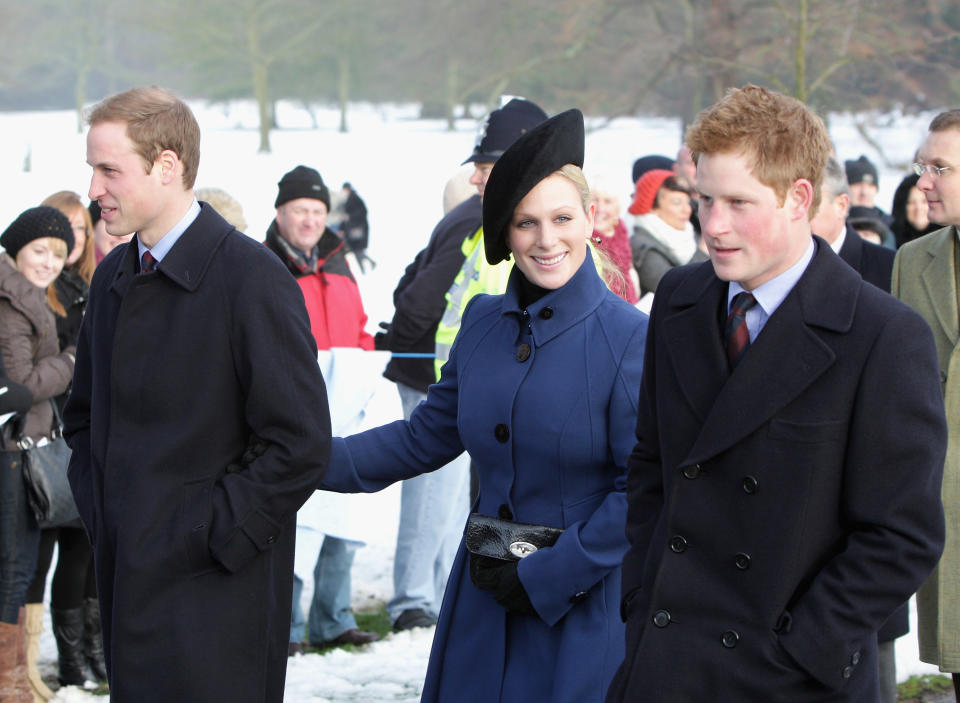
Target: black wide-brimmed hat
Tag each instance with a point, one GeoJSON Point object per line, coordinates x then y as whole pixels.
{"type": "Point", "coordinates": [534, 156]}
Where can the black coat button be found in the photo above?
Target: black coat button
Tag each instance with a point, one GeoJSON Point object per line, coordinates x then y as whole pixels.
{"type": "Point", "coordinates": [750, 485]}
{"type": "Point", "coordinates": [678, 544]}
{"type": "Point", "coordinates": [546, 313]}
{"type": "Point", "coordinates": [661, 618]}
{"type": "Point", "coordinates": [855, 659]}
{"type": "Point", "coordinates": [578, 597]}
{"type": "Point", "coordinates": [504, 512]}
{"type": "Point", "coordinates": [692, 472]}
{"type": "Point", "coordinates": [847, 672]}
{"type": "Point", "coordinates": [742, 561]}
{"type": "Point", "coordinates": [501, 433]}
{"type": "Point", "coordinates": [271, 539]}
{"type": "Point", "coordinates": [523, 352]}
{"type": "Point", "coordinates": [730, 639]}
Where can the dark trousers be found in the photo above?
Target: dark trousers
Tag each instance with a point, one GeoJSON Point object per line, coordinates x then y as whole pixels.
{"type": "Point", "coordinates": [19, 537]}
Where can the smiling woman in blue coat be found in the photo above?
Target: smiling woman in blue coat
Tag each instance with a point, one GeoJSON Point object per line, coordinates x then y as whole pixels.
{"type": "Point", "coordinates": [541, 389]}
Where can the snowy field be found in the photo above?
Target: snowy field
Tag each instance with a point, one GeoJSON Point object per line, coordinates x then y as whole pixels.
{"type": "Point", "coordinates": [399, 165]}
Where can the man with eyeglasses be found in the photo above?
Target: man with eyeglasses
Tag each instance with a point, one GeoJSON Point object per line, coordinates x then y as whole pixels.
{"type": "Point", "coordinates": [926, 275]}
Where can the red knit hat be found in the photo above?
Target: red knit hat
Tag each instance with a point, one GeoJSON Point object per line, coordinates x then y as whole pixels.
{"type": "Point", "coordinates": [646, 193]}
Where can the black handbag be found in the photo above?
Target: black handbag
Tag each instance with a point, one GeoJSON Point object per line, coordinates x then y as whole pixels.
{"type": "Point", "coordinates": [45, 476]}
{"type": "Point", "coordinates": [506, 540]}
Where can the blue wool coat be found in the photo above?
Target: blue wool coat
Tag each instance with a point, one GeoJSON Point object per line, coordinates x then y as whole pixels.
{"type": "Point", "coordinates": [544, 400]}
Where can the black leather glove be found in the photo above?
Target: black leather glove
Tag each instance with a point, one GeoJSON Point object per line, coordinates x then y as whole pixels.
{"type": "Point", "coordinates": [502, 579]}
{"type": "Point", "coordinates": [382, 340]}
{"type": "Point", "coordinates": [14, 398]}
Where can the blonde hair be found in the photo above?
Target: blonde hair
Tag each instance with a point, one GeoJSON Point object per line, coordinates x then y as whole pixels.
{"type": "Point", "coordinates": [225, 204]}
{"type": "Point", "coordinates": [609, 271]}
{"type": "Point", "coordinates": [69, 203]}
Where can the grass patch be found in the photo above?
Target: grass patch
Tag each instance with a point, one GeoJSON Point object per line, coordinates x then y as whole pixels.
{"type": "Point", "coordinates": [916, 686]}
{"type": "Point", "coordinates": [375, 620]}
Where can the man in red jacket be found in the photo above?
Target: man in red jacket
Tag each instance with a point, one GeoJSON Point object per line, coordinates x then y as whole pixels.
{"type": "Point", "coordinates": [315, 255]}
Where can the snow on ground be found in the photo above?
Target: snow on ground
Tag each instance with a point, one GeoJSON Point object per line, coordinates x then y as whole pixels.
{"type": "Point", "coordinates": [399, 165]}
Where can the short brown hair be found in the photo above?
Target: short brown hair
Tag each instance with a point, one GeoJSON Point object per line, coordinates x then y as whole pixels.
{"type": "Point", "coordinates": [946, 120]}
{"type": "Point", "coordinates": [156, 120]}
{"type": "Point", "coordinates": [779, 135]}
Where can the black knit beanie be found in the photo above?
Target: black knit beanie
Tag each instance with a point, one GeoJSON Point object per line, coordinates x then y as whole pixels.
{"type": "Point", "coordinates": [861, 171]}
{"type": "Point", "coordinates": [36, 223]}
{"type": "Point", "coordinates": [534, 156]}
{"type": "Point", "coordinates": [302, 182]}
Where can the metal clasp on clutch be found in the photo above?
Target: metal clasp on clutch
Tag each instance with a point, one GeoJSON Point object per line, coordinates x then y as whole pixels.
{"type": "Point", "coordinates": [522, 549]}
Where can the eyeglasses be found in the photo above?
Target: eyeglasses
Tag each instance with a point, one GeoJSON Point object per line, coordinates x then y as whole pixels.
{"type": "Point", "coordinates": [919, 169]}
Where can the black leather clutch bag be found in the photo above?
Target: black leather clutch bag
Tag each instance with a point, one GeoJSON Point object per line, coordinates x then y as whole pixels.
{"type": "Point", "coordinates": [506, 540]}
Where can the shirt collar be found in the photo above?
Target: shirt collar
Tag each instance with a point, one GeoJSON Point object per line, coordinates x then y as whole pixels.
{"type": "Point", "coordinates": [160, 249]}
{"type": "Point", "coordinates": [837, 244]}
{"type": "Point", "coordinates": [769, 295]}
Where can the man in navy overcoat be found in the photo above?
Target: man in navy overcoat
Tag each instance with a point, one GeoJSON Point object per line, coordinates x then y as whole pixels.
{"type": "Point", "coordinates": [784, 491]}
{"type": "Point", "coordinates": [198, 422]}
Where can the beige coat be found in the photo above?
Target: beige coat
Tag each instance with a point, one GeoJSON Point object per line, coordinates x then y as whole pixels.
{"type": "Point", "coordinates": [28, 343]}
{"type": "Point", "coordinates": [924, 277]}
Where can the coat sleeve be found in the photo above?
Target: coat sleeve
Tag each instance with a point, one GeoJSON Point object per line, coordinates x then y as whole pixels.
{"type": "Point", "coordinates": [890, 501]}
{"type": "Point", "coordinates": [285, 406]}
{"type": "Point", "coordinates": [47, 377]}
{"type": "Point", "coordinates": [76, 428]}
{"type": "Point", "coordinates": [644, 475]}
{"type": "Point", "coordinates": [430, 439]}
{"type": "Point", "coordinates": [589, 550]}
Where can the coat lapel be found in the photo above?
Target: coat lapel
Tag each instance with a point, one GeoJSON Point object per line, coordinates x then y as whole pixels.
{"type": "Point", "coordinates": [787, 356]}
{"type": "Point", "coordinates": [939, 282]}
{"type": "Point", "coordinates": [692, 334]}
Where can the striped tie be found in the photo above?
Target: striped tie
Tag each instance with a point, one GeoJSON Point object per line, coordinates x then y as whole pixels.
{"type": "Point", "coordinates": [148, 264]}
{"type": "Point", "coordinates": [736, 335]}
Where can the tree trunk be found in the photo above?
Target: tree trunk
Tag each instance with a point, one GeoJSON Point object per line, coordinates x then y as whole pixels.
{"type": "Point", "coordinates": [260, 89]}
{"type": "Point", "coordinates": [343, 89]}
{"type": "Point", "coordinates": [451, 101]}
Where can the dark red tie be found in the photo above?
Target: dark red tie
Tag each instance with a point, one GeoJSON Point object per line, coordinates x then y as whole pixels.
{"type": "Point", "coordinates": [148, 264]}
{"type": "Point", "coordinates": [736, 335]}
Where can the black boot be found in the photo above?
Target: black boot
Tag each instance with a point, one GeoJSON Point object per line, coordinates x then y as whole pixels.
{"type": "Point", "coordinates": [92, 639]}
{"type": "Point", "coordinates": [68, 631]}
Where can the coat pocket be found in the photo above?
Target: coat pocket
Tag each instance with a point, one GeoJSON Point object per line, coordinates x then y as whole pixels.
{"type": "Point", "coordinates": [197, 514]}
{"type": "Point", "coordinates": [807, 432]}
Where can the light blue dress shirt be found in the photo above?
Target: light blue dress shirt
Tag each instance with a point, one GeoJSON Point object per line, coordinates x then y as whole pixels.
{"type": "Point", "coordinates": [769, 295]}
{"type": "Point", "coordinates": [160, 249]}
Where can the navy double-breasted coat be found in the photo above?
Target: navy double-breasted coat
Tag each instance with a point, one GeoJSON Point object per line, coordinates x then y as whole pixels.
{"type": "Point", "coordinates": [544, 400]}
{"type": "Point", "coordinates": [779, 513]}
{"type": "Point", "coordinates": [175, 371]}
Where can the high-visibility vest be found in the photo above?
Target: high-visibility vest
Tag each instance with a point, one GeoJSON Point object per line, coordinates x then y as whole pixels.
{"type": "Point", "coordinates": [476, 276]}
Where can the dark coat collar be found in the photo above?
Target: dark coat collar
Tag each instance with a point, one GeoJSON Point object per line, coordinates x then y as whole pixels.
{"type": "Point", "coordinates": [327, 248]}
{"type": "Point", "coordinates": [189, 259]}
{"type": "Point", "coordinates": [790, 348]}
{"type": "Point", "coordinates": [852, 249]}
{"type": "Point", "coordinates": [559, 309]}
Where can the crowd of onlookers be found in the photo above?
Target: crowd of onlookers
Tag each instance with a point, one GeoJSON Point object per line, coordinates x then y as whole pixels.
{"type": "Point", "coordinates": [321, 240]}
